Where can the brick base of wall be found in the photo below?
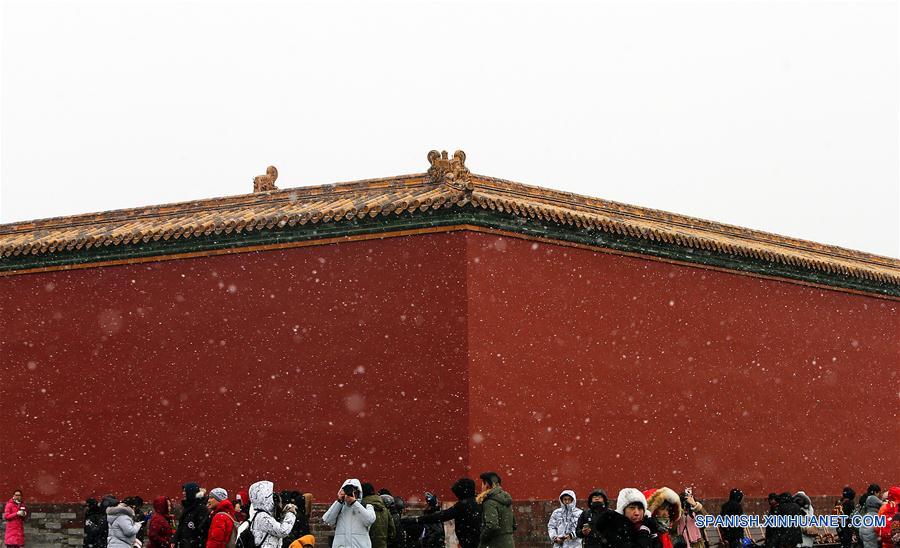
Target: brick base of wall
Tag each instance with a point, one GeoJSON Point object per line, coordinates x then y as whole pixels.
{"type": "Point", "coordinates": [62, 525]}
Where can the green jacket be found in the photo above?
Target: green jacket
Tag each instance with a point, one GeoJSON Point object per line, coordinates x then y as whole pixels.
{"type": "Point", "coordinates": [383, 528]}
{"type": "Point", "coordinates": [497, 520]}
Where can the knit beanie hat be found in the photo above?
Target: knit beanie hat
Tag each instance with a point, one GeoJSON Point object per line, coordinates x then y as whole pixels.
{"type": "Point", "coordinates": [219, 494]}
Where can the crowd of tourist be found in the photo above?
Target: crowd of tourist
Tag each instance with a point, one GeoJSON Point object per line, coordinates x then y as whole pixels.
{"type": "Point", "coordinates": [483, 518]}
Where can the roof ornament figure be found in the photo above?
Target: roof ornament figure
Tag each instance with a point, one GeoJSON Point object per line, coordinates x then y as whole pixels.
{"type": "Point", "coordinates": [264, 183]}
{"type": "Point", "coordinates": [452, 171]}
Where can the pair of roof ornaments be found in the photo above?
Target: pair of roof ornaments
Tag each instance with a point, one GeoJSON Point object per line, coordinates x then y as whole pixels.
{"type": "Point", "coordinates": [451, 171]}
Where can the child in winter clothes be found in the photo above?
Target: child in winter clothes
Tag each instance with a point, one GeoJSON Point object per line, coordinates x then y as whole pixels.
{"type": "Point", "coordinates": [563, 521]}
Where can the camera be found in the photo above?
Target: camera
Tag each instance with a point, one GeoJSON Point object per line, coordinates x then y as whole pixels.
{"type": "Point", "coordinates": [350, 490]}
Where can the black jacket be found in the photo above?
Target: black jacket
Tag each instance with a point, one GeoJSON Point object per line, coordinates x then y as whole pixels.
{"type": "Point", "coordinates": [593, 518]}
{"type": "Point", "coordinates": [733, 508]}
{"type": "Point", "coordinates": [191, 525]}
{"type": "Point", "coordinates": [94, 519]}
{"type": "Point", "coordinates": [619, 532]}
{"type": "Point", "coordinates": [787, 537]}
{"type": "Point", "coordinates": [466, 514]}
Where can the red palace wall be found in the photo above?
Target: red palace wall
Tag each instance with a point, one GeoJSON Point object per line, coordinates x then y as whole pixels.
{"type": "Point", "coordinates": [597, 370]}
{"type": "Point", "coordinates": [436, 356]}
{"type": "Point", "coordinates": [230, 369]}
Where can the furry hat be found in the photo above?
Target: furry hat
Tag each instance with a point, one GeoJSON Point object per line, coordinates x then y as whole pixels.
{"type": "Point", "coordinates": [627, 496]}
{"type": "Point", "coordinates": [657, 497]}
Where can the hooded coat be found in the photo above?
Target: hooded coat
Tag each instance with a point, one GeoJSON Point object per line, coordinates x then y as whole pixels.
{"type": "Point", "coordinates": [592, 518]}
{"type": "Point", "coordinates": [122, 528]}
{"type": "Point", "coordinates": [733, 507]}
{"type": "Point", "coordinates": [497, 519]}
{"type": "Point", "coordinates": [563, 521]}
{"type": "Point", "coordinates": [383, 527]}
{"type": "Point", "coordinates": [869, 535]}
{"type": "Point", "coordinates": [267, 531]}
{"type": "Point", "coordinates": [889, 510]}
{"type": "Point", "coordinates": [351, 522]}
{"type": "Point", "coordinates": [160, 531]}
{"type": "Point", "coordinates": [809, 533]}
{"type": "Point", "coordinates": [466, 514]}
{"type": "Point", "coordinates": [620, 532]}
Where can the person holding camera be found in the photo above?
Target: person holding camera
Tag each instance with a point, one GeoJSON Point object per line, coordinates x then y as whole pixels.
{"type": "Point", "coordinates": [687, 533]}
{"type": "Point", "coordinates": [265, 510]}
{"type": "Point", "coordinates": [350, 519]}
{"type": "Point", "coordinates": [15, 513]}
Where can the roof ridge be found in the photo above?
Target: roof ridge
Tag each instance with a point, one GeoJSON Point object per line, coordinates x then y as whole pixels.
{"type": "Point", "coordinates": [206, 204]}
{"type": "Point", "coordinates": [636, 212]}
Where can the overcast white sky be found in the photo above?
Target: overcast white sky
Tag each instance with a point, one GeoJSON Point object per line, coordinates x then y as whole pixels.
{"type": "Point", "coordinates": [780, 116]}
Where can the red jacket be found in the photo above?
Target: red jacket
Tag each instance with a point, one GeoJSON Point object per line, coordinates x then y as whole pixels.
{"type": "Point", "coordinates": [15, 524]}
{"type": "Point", "coordinates": [221, 526]}
{"type": "Point", "coordinates": [160, 531]}
{"type": "Point", "coordinates": [888, 510]}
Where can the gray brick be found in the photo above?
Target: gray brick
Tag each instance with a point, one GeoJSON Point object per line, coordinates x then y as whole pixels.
{"type": "Point", "coordinates": [67, 515]}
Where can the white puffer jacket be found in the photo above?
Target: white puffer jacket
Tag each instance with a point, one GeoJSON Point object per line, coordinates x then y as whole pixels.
{"type": "Point", "coordinates": [265, 526]}
{"type": "Point", "coordinates": [563, 521]}
{"type": "Point", "coordinates": [351, 523]}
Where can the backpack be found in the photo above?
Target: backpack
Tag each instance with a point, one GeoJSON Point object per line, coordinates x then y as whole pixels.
{"type": "Point", "coordinates": [232, 539]}
{"type": "Point", "coordinates": [244, 535]}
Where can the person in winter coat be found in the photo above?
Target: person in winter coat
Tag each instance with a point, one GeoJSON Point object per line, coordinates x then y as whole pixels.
{"type": "Point", "coordinates": [268, 531]}
{"type": "Point", "coordinates": [685, 526]}
{"type": "Point", "coordinates": [589, 523]}
{"type": "Point", "coordinates": [663, 505]}
{"type": "Point", "coordinates": [465, 513]}
{"type": "Point", "coordinates": [432, 535]}
{"type": "Point", "coordinates": [350, 519]}
{"type": "Point", "coordinates": [137, 504]}
{"type": "Point", "coordinates": [847, 504]}
{"type": "Point", "coordinates": [383, 528]}
{"type": "Point", "coordinates": [869, 535]}
{"type": "Point", "coordinates": [630, 526]}
{"type": "Point", "coordinates": [160, 530]}
{"type": "Point", "coordinates": [809, 533]}
{"type": "Point", "coordinates": [563, 520]}
{"type": "Point", "coordinates": [733, 536]}
{"type": "Point", "coordinates": [92, 524]}
{"type": "Point", "coordinates": [123, 529]}
{"type": "Point", "coordinates": [395, 507]}
{"type": "Point", "coordinates": [497, 519]}
{"type": "Point", "coordinates": [107, 502]}
{"type": "Point", "coordinates": [888, 510]}
{"type": "Point", "coordinates": [222, 525]}
{"type": "Point", "coordinates": [241, 505]}
{"type": "Point", "coordinates": [787, 537]}
{"type": "Point", "coordinates": [15, 513]}
{"type": "Point", "coordinates": [194, 513]}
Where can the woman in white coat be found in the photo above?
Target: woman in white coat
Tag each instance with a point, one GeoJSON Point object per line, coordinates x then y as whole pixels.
{"type": "Point", "coordinates": [350, 519]}
{"type": "Point", "coordinates": [267, 531]}
{"type": "Point", "coordinates": [122, 528]}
